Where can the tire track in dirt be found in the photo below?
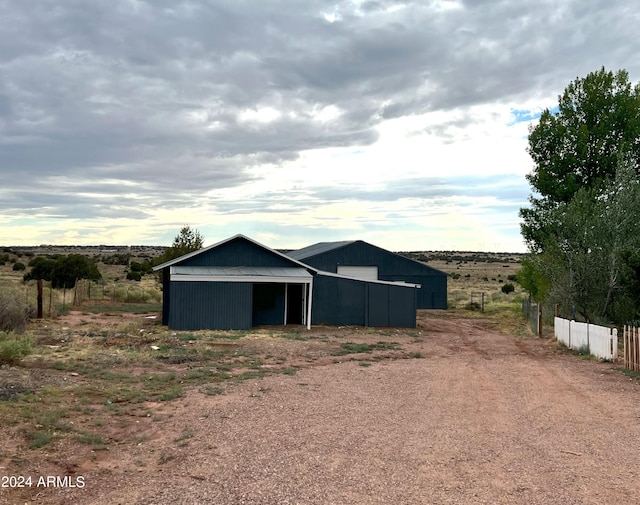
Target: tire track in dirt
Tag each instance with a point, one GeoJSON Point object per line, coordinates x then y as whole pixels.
{"type": "Point", "coordinates": [483, 418]}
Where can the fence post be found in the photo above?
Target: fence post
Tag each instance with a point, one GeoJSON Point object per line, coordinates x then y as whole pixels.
{"type": "Point", "coordinates": [539, 320]}
{"type": "Point", "coordinates": [624, 343]}
{"type": "Point", "coordinates": [631, 349]}
{"type": "Point", "coordinates": [39, 283]}
{"type": "Point", "coordinates": [627, 347]}
{"type": "Point", "coordinates": [634, 348]}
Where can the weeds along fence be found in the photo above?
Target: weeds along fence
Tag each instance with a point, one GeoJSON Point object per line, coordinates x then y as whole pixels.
{"type": "Point", "coordinates": [533, 313]}
{"type": "Point", "coordinates": [117, 291]}
{"type": "Point", "coordinates": [631, 339]}
{"type": "Point", "coordinates": [85, 291]}
{"type": "Point", "coordinates": [599, 341]}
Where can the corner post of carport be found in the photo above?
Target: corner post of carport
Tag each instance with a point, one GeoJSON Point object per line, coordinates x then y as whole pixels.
{"type": "Point", "coordinates": [309, 303]}
{"type": "Point", "coordinates": [286, 291]}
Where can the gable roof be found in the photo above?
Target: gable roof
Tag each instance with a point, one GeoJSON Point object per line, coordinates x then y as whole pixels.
{"type": "Point", "coordinates": [184, 257]}
{"type": "Point", "coordinates": [323, 247]}
{"type": "Point", "coordinates": [319, 248]}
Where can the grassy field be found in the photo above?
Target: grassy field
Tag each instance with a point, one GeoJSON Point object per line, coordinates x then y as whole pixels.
{"type": "Point", "coordinates": [113, 288]}
{"type": "Point", "coordinates": [472, 274]}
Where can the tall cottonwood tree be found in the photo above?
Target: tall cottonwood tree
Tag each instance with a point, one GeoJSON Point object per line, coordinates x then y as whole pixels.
{"type": "Point", "coordinates": [577, 147]}
{"type": "Point", "coordinates": [588, 263]}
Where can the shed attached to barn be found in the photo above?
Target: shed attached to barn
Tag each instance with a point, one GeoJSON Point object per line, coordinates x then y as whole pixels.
{"type": "Point", "coordinates": [360, 259]}
{"type": "Point", "coordinates": [239, 283]}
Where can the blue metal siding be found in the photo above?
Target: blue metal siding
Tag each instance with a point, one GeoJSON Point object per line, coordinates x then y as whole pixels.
{"type": "Point", "coordinates": [210, 305]}
{"type": "Point", "coordinates": [402, 306]}
{"type": "Point", "coordinates": [347, 302]}
{"type": "Point", "coordinates": [378, 309]}
{"type": "Point", "coordinates": [391, 267]}
{"type": "Point", "coordinates": [166, 296]}
{"type": "Point", "coordinates": [338, 301]}
{"type": "Point", "coordinates": [433, 291]}
{"type": "Point", "coordinates": [238, 252]}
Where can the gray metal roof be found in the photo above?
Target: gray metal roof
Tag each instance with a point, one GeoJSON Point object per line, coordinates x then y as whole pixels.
{"type": "Point", "coordinates": [242, 271]}
{"type": "Point", "coordinates": [293, 275]}
{"type": "Point", "coordinates": [371, 281]}
{"type": "Point", "coordinates": [319, 248]}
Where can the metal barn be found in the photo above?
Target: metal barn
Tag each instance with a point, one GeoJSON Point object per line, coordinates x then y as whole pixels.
{"type": "Point", "coordinates": [239, 283]}
{"type": "Point", "coordinates": [360, 259]}
{"type": "Point", "coordinates": [235, 284]}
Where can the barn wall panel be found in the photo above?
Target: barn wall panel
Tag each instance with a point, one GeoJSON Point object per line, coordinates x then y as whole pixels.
{"type": "Point", "coordinates": [378, 309]}
{"type": "Point", "coordinates": [338, 301]}
{"type": "Point", "coordinates": [402, 306]}
{"type": "Point", "coordinates": [432, 293]}
{"type": "Point", "coordinates": [210, 305]}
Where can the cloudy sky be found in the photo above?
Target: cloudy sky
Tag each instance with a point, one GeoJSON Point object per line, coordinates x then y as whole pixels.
{"type": "Point", "coordinates": [403, 123]}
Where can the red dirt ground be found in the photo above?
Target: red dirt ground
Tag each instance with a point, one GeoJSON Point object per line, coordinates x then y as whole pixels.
{"type": "Point", "coordinates": [480, 417]}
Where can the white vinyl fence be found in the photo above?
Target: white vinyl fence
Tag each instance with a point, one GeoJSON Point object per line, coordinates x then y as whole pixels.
{"type": "Point", "coordinates": [601, 341]}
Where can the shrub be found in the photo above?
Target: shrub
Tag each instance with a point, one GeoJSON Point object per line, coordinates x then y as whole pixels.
{"type": "Point", "coordinates": [14, 347]}
{"type": "Point", "coordinates": [134, 276]}
{"type": "Point", "coordinates": [13, 312]}
{"type": "Point", "coordinates": [144, 268]}
{"type": "Point", "coordinates": [117, 259]}
{"type": "Point", "coordinates": [473, 306]}
{"type": "Point", "coordinates": [18, 266]}
{"type": "Point", "coordinates": [508, 288]}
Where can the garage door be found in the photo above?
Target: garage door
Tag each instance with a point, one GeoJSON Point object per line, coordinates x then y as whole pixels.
{"type": "Point", "coordinates": [369, 273]}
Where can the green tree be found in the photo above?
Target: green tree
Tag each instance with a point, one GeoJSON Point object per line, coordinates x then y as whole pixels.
{"type": "Point", "coordinates": [41, 268]}
{"type": "Point", "coordinates": [508, 288]}
{"type": "Point", "coordinates": [630, 282]}
{"type": "Point", "coordinates": [578, 146]}
{"type": "Point", "coordinates": [586, 263]}
{"type": "Point", "coordinates": [68, 269]}
{"type": "Point", "coordinates": [532, 277]}
{"type": "Point", "coordinates": [187, 240]}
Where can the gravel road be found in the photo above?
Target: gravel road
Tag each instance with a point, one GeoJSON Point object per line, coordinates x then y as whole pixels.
{"type": "Point", "coordinates": [481, 418]}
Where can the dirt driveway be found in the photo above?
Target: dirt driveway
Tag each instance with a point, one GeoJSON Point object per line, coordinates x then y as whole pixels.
{"type": "Point", "coordinates": [481, 417]}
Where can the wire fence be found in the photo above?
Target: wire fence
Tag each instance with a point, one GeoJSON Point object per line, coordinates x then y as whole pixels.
{"type": "Point", "coordinates": [533, 313]}
{"type": "Point", "coordinates": [86, 291]}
